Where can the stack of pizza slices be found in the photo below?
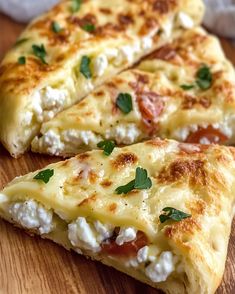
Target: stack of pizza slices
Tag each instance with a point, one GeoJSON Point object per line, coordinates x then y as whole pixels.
{"type": "Point", "coordinates": [144, 98]}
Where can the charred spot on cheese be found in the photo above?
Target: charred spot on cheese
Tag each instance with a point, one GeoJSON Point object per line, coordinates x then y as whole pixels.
{"type": "Point", "coordinates": [158, 143]}
{"type": "Point", "coordinates": [124, 159]}
{"type": "Point", "coordinates": [112, 207]}
{"type": "Point", "coordinates": [163, 6]}
{"type": "Point", "coordinates": [197, 207]}
{"type": "Point", "coordinates": [99, 93]}
{"type": "Point", "coordinates": [180, 170]}
{"type": "Point", "coordinates": [182, 231]}
{"type": "Point", "coordinates": [106, 183]}
{"type": "Point", "coordinates": [88, 200]}
{"type": "Point", "coordinates": [227, 88]}
{"type": "Point", "coordinates": [92, 176]}
{"type": "Point", "coordinates": [81, 22]}
{"type": "Point", "coordinates": [105, 11]}
{"type": "Point", "coordinates": [190, 101]}
{"type": "Point", "coordinates": [149, 24]}
{"type": "Point", "coordinates": [83, 156]}
{"type": "Point", "coordinates": [125, 19]}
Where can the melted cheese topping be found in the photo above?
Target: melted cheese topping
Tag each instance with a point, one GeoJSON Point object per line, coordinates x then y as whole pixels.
{"type": "Point", "coordinates": [118, 41]}
{"type": "Point", "coordinates": [160, 106]}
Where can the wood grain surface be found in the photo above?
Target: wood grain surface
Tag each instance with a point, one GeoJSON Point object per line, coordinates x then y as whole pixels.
{"type": "Point", "coordinates": [35, 266]}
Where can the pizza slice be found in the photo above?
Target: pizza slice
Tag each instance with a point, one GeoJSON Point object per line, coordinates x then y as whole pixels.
{"type": "Point", "coordinates": [183, 91]}
{"type": "Point", "coordinates": [64, 54]}
{"type": "Point", "coordinates": [159, 211]}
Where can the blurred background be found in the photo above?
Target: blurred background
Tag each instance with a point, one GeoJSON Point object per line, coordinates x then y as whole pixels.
{"type": "Point", "coordinates": [219, 18]}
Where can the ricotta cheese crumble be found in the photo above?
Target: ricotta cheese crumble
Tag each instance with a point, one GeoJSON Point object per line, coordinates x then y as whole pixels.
{"type": "Point", "coordinates": [159, 270]}
{"type": "Point", "coordinates": [31, 215]}
{"type": "Point", "coordinates": [124, 134]}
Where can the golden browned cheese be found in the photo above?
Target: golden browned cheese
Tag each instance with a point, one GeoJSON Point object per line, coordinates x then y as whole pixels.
{"type": "Point", "coordinates": [161, 104]}
{"type": "Point", "coordinates": [110, 35]}
{"type": "Point", "coordinates": [195, 179]}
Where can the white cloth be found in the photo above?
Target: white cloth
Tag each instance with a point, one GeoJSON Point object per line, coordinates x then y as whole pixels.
{"type": "Point", "coordinates": [219, 18]}
{"type": "Point", "coordinates": [25, 10]}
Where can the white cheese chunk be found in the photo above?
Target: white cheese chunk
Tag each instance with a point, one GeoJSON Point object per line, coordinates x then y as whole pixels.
{"type": "Point", "coordinates": [185, 21]}
{"type": "Point", "coordinates": [125, 53]}
{"type": "Point", "coordinates": [81, 235]}
{"type": "Point", "coordinates": [100, 65]}
{"type": "Point", "coordinates": [28, 115]}
{"type": "Point", "coordinates": [205, 141]}
{"type": "Point", "coordinates": [47, 102]}
{"type": "Point", "coordinates": [77, 137]}
{"type": "Point", "coordinates": [37, 106]}
{"type": "Point", "coordinates": [52, 142]}
{"type": "Point", "coordinates": [167, 28]}
{"type": "Point", "coordinates": [159, 270]}
{"type": "Point", "coordinates": [142, 254]}
{"type": "Point", "coordinates": [104, 231]}
{"type": "Point", "coordinates": [111, 53]}
{"type": "Point", "coordinates": [88, 85]}
{"type": "Point", "coordinates": [124, 134]}
{"type": "Point", "coordinates": [126, 235]}
{"type": "Point", "coordinates": [31, 215]}
{"type": "Point", "coordinates": [147, 43]}
{"type": "Point", "coordinates": [52, 98]}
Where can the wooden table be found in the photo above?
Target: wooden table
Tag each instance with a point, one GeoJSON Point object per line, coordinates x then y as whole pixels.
{"type": "Point", "coordinates": [35, 266]}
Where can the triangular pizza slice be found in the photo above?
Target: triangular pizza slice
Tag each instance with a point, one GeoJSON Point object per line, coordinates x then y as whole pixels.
{"type": "Point", "coordinates": [183, 91]}
{"type": "Point", "coordinates": [159, 211]}
{"type": "Point", "coordinates": [64, 54]}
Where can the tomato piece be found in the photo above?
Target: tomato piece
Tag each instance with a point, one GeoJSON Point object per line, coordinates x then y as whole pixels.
{"type": "Point", "coordinates": [208, 135]}
{"type": "Point", "coordinates": [151, 106]}
{"type": "Point", "coordinates": [128, 249]}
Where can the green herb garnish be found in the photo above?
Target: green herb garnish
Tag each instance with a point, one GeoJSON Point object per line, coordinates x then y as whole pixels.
{"type": "Point", "coordinates": [124, 102]}
{"type": "Point", "coordinates": [56, 27]}
{"type": "Point", "coordinates": [89, 27]}
{"type": "Point", "coordinates": [173, 214]}
{"type": "Point", "coordinates": [204, 78]}
{"type": "Point", "coordinates": [21, 60]}
{"type": "Point", "coordinates": [76, 4]}
{"type": "Point", "coordinates": [107, 146]}
{"type": "Point", "coordinates": [187, 87]}
{"type": "Point", "coordinates": [141, 182]}
{"type": "Point", "coordinates": [40, 52]}
{"type": "Point", "coordinates": [44, 175]}
{"type": "Point", "coordinates": [126, 188]}
{"type": "Point", "coordinates": [20, 41]}
{"type": "Point", "coordinates": [85, 67]}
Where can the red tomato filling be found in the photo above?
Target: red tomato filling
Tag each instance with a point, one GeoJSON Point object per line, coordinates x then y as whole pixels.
{"type": "Point", "coordinates": [209, 134]}
{"type": "Point", "coordinates": [128, 249]}
{"type": "Point", "coordinates": [151, 106]}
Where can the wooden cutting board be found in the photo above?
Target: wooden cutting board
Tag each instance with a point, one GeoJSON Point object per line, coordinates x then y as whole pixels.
{"type": "Point", "coordinates": [35, 266]}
